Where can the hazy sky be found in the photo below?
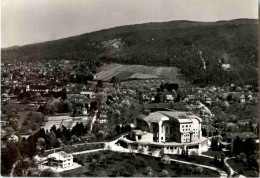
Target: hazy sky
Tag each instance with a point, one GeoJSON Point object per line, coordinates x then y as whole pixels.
{"type": "Point", "coordinates": [31, 21]}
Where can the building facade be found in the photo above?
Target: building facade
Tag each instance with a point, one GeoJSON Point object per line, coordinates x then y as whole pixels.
{"type": "Point", "coordinates": [170, 131]}
{"type": "Point", "coordinates": [61, 159]}
{"type": "Point", "coordinates": [171, 126]}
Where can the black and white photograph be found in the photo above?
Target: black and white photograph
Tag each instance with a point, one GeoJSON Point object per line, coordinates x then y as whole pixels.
{"type": "Point", "coordinates": [129, 88]}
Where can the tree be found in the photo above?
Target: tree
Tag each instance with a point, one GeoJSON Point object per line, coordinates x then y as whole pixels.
{"type": "Point", "coordinates": [215, 160]}
{"type": "Point", "coordinates": [157, 98]}
{"type": "Point", "coordinates": [250, 147]}
{"type": "Point", "coordinates": [40, 145]}
{"type": "Point", "coordinates": [237, 145]}
{"type": "Point", "coordinates": [149, 170]}
{"type": "Point", "coordinates": [51, 140]}
{"type": "Point", "coordinates": [166, 159]}
{"type": "Point", "coordinates": [53, 128]}
{"type": "Point", "coordinates": [214, 144]}
{"type": "Point", "coordinates": [24, 165]}
{"type": "Point", "coordinates": [204, 131]}
{"type": "Point", "coordinates": [92, 167]}
{"type": "Point", "coordinates": [74, 138]}
{"type": "Point", "coordinates": [47, 173]}
{"type": "Point", "coordinates": [165, 173]}
{"type": "Point", "coordinates": [141, 150]}
{"type": "Point", "coordinates": [14, 123]}
{"type": "Point", "coordinates": [182, 153]}
{"type": "Point", "coordinates": [161, 153]}
{"type": "Point", "coordinates": [222, 161]}
{"type": "Point", "coordinates": [101, 134]}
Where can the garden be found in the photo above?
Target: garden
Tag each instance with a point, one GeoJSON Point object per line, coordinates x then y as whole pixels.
{"type": "Point", "coordinates": [107, 163]}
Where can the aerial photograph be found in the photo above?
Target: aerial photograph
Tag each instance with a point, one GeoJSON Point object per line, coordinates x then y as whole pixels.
{"type": "Point", "coordinates": [129, 88]}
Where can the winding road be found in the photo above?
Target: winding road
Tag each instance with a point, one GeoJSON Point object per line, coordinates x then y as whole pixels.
{"type": "Point", "coordinates": [114, 147]}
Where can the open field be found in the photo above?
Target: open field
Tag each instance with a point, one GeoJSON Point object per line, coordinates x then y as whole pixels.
{"type": "Point", "coordinates": [138, 72]}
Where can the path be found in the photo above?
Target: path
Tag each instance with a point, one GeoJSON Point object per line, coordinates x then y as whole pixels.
{"type": "Point", "coordinates": [222, 173]}
{"type": "Point", "coordinates": [87, 151]}
{"type": "Point", "coordinates": [93, 121]}
{"type": "Point", "coordinates": [13, 167]}
{"type": "Point", "coordinates": [115, 147]}
{"type": "Point", "coordinates": [232, 172]}
{"type": "Point", "coordinates": [23, 115]}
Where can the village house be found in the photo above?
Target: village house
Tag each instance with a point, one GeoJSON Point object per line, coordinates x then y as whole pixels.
{"type": "Point", "coordinates": [37, 88]}
{"type": "Point", "coordinates": [242, 99]}
{"type": "Point", "coordinates": [61, 159]}
{"type": "Point", "coordinates": [89, 94]}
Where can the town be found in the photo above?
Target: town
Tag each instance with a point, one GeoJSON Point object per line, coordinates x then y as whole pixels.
{"type": "Point", "coordinates": [57, 121]}
{"type": "Point", "coordinates": [112, 88]}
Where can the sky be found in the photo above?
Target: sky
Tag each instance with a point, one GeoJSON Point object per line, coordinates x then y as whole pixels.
{"type": "Point", "coordinates": [32, 21]}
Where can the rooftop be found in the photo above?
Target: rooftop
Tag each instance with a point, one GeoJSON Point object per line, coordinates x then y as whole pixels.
{"type": "Point", "coordinates": [180, 116]}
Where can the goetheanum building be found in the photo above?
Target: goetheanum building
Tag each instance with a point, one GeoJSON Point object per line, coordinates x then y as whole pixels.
{"type": "Point", "coordinates": [170, 130]}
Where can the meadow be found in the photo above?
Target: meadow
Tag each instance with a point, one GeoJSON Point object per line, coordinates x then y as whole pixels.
{"type": "Point", "coordinates": [138, 72]}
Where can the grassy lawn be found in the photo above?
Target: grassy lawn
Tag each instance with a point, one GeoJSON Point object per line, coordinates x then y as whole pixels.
{"type": "Point", "coordinates": [201, 160]}
{"type": "Point", "coordinates": [242, 169]}
{"type": "Point", "coordinates": [213, 153]}
{"type": "Point", "coordinates": [196, 159]}
{"type": "Point", "coordinates": [126, 164]}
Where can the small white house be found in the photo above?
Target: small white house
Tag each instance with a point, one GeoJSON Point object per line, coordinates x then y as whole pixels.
{"type": "Point", "coordinates": [225, 67]}
{"type": "Point", "coordinates": [13, 138]}
{"type": "Point", "coordinates": [169, 98]}
{"type": "Point", "coordinates": [89, 94]}
{"type": "Point", "coordinates": [61, 159]}
{"type": "Point", "coordinates": [242, 99]}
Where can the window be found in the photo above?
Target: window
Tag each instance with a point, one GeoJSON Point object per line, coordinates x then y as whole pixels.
{"type": "Point", "coordinates": [183, 126]}
{"type": "Point", "coordinates": [186, 125]}
{"type": "Point", "coordinates": [161, 138]}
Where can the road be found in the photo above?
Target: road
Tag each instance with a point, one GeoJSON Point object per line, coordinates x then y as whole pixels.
{"type": "Point", "coordinates": [23, 115]}
{"type": "Point", "coordinates": [87, 151]}
{"type": "Point", "coordinates": [13, 167]}
{"type": "Point", "coordinates": [114, 147]}
{"type": "Point", "coordinates": [232, 172]}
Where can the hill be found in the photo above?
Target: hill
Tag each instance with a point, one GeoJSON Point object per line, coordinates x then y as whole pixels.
{"type": "Point", "coordinates": [182, 44]}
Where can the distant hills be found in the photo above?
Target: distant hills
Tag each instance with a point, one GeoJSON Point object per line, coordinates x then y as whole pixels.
{"type": "Point", "coordinates": [175, 43]}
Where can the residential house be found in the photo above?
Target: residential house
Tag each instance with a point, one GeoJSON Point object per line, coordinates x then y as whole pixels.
{"type": "Point", "coordinates": [242, 99]}
{"type": "Point", "coordinates": [61, 159]}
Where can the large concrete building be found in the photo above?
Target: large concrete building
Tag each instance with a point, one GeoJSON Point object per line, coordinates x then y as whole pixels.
{"type": "Point", "coordinates": [171, 126]}
{"type": "Point", "coordinates": [170, 130]}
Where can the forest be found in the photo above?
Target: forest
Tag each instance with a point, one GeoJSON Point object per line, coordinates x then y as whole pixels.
{"type": "Point", "coordinates": [175, 43]}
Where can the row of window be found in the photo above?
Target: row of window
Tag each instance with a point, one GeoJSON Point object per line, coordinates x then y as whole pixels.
{"type": "Point", "coordinates": [186, 126]}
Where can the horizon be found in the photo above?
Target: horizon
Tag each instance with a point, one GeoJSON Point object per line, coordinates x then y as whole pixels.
{"type": "Point", "coordinates": [13, 46]}
{"type": "Point", "coordinates": [26, 22]}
